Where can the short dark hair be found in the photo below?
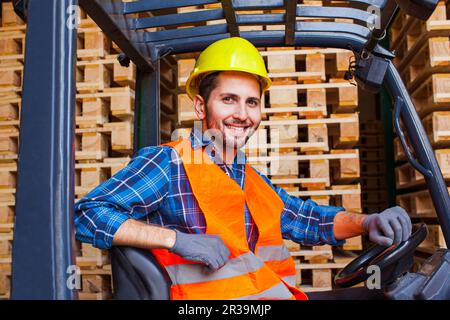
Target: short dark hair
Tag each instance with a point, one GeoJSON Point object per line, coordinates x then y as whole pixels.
{"type": "Point", "coordinates": [209, 83]}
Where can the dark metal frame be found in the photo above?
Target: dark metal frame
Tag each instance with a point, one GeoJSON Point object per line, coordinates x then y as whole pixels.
{"type": "Point", "coordinates": [43, 241]}
{"type": "Point", "coordinates": [43, 234]}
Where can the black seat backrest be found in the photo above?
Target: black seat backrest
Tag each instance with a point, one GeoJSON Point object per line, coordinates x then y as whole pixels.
{"type": "Point", "coordinates": [137, 275]}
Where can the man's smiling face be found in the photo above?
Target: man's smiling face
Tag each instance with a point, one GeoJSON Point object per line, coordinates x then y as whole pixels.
{"type": "Point", "coordinates": [233, 107]}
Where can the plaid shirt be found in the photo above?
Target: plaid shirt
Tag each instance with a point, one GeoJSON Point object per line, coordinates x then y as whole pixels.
{"type": "Point", "coordinates": [154, 188]}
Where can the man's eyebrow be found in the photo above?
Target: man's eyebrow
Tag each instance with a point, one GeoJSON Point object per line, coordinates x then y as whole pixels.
{"type": "Point", "coordinates": [228, 94]}
{"type": "Point", "coordinates": [254, 98]}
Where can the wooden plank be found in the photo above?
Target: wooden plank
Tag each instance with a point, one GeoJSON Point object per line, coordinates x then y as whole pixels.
{"type": "Point", "coordinates": [185, 66]}
{"type": "Point", "coordinates": [345, 170]}
{"type": "Point", "coordinates": [9, 17]}
{"type": "Point", "coordinates": [284, 97]}
{"type": "Point", "coordinates": [93, 77]}
{"type": "Point", "coordinates": [407, 177]}
{"type": "Point", "coordinates": [95, 44]}
{"type": "Point", "coordinates": [349, 118]}
{"type": "Point", "coordinates": [346, 154]}
{"type": "Point", "coordinates": [351, 201]}
{"type": "Point", "coordinates": [434, 240]}
{"type": "Point", "coordinates": [124, 76]}
{"type": "Point", "coordinates": [346, 135]}
{"type": "Point", "coordinates": [418, 32]}
{"type": "Point", "coordinates": [437, 126]}
{"type": "Point", "coordinates": [351, 190]}
{"type": "Point", "coordinates": [186, 112]}
{"type": "Point", "coordinates": [433, 57]}
{"type": "Point", "coordinates": [418, 204]}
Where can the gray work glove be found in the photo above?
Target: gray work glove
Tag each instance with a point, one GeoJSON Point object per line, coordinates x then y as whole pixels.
{"type": "Point", "coordinates": [393, 225]}
{"type": "Point", "coordinates": [207, 249]}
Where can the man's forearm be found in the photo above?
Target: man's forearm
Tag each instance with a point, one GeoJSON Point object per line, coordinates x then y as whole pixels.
{"type": "Point", "coordinates": [134, 233]}
{"type": "Point", "coordinates": [348, 225]}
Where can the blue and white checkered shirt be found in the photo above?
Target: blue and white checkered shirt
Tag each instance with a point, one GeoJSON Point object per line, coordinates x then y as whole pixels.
{"type": "Point", "coordinates": [154, 188]}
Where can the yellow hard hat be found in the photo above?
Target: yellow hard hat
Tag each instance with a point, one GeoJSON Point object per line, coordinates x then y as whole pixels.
{"type": "Point", "coordinates": [230, 54]}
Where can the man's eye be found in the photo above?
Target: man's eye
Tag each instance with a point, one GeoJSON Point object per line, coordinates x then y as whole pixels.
{"type": "Point", "coordinates": [228, 99]}
{"type": "Point", "coordinates": [253, 102]}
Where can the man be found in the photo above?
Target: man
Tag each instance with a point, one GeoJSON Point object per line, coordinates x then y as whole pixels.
{"type": "Point", "coordinates": [210, 219]}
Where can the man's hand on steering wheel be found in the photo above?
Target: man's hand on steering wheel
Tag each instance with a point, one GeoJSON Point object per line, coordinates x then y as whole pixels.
{"type": "Point", "coordinates": [392, 226]}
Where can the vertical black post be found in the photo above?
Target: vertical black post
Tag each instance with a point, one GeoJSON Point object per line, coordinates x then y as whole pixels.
{"type": "Point", "coordinates": [147, 108]}
{"type": "Point", "coordinates": [43, 235]}
{"type": "Point", "coordinates": [425, 161]}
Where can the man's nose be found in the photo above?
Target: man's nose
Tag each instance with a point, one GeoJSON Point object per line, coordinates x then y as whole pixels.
{"type": "Point", "coordinates": [241, 112]}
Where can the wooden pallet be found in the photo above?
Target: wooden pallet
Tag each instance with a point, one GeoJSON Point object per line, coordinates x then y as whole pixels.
{"type": "Point", "coordinates": [93, 143]}
{"type": "Point", "coordinates": [415, 33]}
{"type": "Point", "coordinates": [347, 93]}
{"type": "Point", "coordinates": [117, 102]}
{"type": "Point", "coordinates": [433, 94]}
{"type": "Point", "coordinates": [11, 74]}
{"type": "Point", "coordinates": [5, 276]}
{"type": "Point", "coordinates": [9, 17]}
{"type": "Point", "coordinates": [12, 44]}
{"type": "Point", "coordinates": [316, 274]}
{"type": "Point", "coordinates": [434, 240]}
{"type": "Point", "coordinates": [418, 204]}
{"type": "Point", "coordinates": [96, 283]}
{"type": "Point", "coordinates": [184, 68]}
{"type": "Point", "coordinates": [10, 107]}
{"type": "Point", "coordinates": [9, 139]}
{"type": "Point", "coordinates": [104, 118]}
{"type": "Point", "coordinates": [92, 43]}
{"type": "Point", "coordinates": [106, 295]}
{"type": "Point", "coordinates": [370, 127]}
{"type": "Point", "coordinates": [306, 258]}
{"type": "Point", "coordinates": [433, 57]}
{"type": "Point", "coordinates": [92, 258]}
{"type": "Point", "coordinates": [5, 284]}
{"type": "Point", "coordinates": [336, 60]}
{"type": "Point", "coordinates": [437, 126]}
{"type": "Point", "coordinates": [6, 245]}
{"type": "Point", "coordinates": [407, 176]}
{"type": "Point", "coordinates": [89, 174]}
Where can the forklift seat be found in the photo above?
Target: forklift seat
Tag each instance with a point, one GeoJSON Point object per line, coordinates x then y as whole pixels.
{"type": "Point", "coordinates": [137, 275]}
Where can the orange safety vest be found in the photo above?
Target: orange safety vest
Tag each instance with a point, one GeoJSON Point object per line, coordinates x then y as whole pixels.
{"type": "Point", "coordinates": [269, 273]}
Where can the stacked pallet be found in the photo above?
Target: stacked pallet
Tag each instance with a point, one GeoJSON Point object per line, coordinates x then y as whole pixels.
{"type": "Point", "coordinates": [316, 266]}
{"type": "Point", "coordinates": [104, 132]}
{"type": "Point", "coordinates": [309, 130]}
{"type": "Point", "coordinates": [373, 171]}
{"type": "Point", "coordinates": [104, 111]}
{"type": "Point", "coordinates": [423, 60]}
{"type": "Point", "coordinates": [104, 136]}
{"type": "Point", "coordinates": [12, 45]}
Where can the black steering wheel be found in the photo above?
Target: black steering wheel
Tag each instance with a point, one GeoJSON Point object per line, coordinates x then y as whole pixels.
{"type": "Point", "coordinates": [385, 258]}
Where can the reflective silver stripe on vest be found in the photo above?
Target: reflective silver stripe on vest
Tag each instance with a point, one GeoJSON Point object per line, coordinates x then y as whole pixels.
{"type": "Point", "coordinates": [279, 291]}
{"type": "Point", "coordinates": [272, 253]}
{"type": "Point", "coordinates": [290, 280]}
{"type": "Point", "coordinates": [193, 273]}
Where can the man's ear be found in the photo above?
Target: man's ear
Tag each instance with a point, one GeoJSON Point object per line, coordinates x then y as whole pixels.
{"type": "Point", "coordinates": [199, 107]}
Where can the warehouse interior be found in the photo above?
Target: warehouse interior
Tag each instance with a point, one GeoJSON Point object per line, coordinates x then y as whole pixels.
{"type": "Point", "coordinates": [322, 137]}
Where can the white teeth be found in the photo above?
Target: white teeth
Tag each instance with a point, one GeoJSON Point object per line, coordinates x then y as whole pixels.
{"type": "Point", "coordinates": [236, 129]}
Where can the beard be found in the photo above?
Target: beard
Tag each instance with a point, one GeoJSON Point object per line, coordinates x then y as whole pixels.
{"type": "Point", "coordinates": [230, 138]}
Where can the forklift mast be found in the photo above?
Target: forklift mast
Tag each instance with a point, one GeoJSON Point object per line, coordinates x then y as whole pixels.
{"type": "Point", "coordinates": [44, 237]}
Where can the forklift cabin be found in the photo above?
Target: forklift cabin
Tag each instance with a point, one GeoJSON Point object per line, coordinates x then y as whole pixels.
{"type": "Point", "coordinates": [44, 234]}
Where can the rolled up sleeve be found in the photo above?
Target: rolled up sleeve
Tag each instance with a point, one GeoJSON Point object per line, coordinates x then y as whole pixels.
{"type": "Point", "coordinates": [134, 192]}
